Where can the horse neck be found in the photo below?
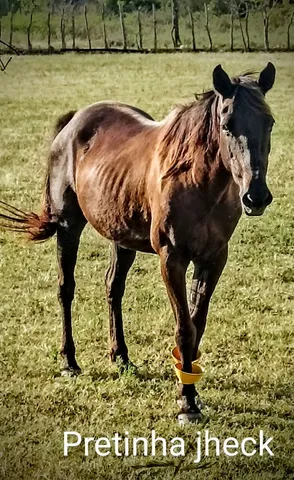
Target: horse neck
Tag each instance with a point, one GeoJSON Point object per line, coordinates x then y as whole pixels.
{"type": "Point", "coordinates": [209, 173]}
{"type": "Point", "coordinates": [208, 169]}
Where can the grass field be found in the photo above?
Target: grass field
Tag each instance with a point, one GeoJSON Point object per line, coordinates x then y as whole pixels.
{"type": "Point", "coordinates": [248, 345]}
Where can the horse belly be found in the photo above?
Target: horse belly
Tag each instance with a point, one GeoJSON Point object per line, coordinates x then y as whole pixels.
{"type": "Point", "coordinates": [117, 217]}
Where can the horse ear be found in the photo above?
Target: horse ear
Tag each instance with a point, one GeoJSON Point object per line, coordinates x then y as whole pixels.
{"type": "Point", "coordinates": [267, 78]}
{"type": "Point", "coordinates": [221, 82]}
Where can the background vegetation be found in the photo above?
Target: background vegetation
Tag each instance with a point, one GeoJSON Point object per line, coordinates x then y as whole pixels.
{"type": "Point", "coordinates": [231, 24]}
{"type": "Point", "coordinates": [248, 345]}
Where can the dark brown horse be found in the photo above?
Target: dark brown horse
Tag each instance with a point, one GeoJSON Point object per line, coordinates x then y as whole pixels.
{"type": "Point", "coordinates": [176, 188]}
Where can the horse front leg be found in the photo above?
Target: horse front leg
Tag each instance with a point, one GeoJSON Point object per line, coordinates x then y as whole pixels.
{"type": "Point", "coordinates": [204, 281]}
{"type": "Point", "coordinates": [173, 269]}
{"type": "Point", "coordinates": [121, 261]}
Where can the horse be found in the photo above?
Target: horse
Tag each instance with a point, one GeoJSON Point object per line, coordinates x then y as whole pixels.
{"type": "Point", "coordinates": [175, 188]}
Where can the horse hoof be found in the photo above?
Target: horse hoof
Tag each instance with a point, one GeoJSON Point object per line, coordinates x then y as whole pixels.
{"type": "Point", "coordinates": [187, 418]}
{"type": "Point", "coordinates": [70, 372]}
{"type": "Point", "coordinates": [127, 367]}
{"type": "Point", "coordinates": [199, 403]}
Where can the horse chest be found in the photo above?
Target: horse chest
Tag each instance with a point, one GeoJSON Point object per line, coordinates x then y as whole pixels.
{"type": "Point", "coordinates": [201, 232]}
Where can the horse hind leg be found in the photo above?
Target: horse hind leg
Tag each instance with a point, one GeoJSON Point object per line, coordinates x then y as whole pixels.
{"type": "Point", "coordinates": [120, 264]}
{"type": "Point", "coordinates": [69, 229]}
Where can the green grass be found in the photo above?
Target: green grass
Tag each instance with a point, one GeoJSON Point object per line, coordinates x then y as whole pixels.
{"type": "Point", "coordinates": [248, 344]}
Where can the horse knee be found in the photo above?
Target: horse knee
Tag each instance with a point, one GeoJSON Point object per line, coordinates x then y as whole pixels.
{"type": "Point", "coordinates": [66, 290]}
{"type": "Point", "coordinates": [108, 281]}
{"type": "Point", "coordinates": [185, 339]}
{"type": "Point", "coordinates": [114, 286]}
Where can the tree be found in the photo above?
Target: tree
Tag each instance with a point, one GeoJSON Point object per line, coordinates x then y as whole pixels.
{"type": "Point", "coordinates": [190, 13]}
{"type": "Point", "coordinates": [175, 33]}
{"type": "Point", "coordinates": [4, 8]}
{"type": "Point", "coordinates": [9, 7]}
{"type": "Point", "coordinates": [289, 29]}
{"type": "Point", "coordinates": [207, 26]}
{"type": "Point", "coordinates": [49, 15]}
{"type": "Point", "coordinates": [266, 8]}
{"type": "Point", "coordinates": [122, 24]}
{"type": "Point", "coordinates": [28, 7]}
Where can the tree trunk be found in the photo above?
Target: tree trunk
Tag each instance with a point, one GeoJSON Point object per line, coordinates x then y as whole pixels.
{"type": "Point", "coordinates": [104, 27]}
{"type": "Point", "coordinates": [73, 31]}
{"type": "Point", "coordinates": [175, 33]}
{"type": "Point", "coordinates": [242, 33]}
{"type": "Point", "coordinates": [288, 32]}
{"type": "Point", "coordinates": [11, 28]}
{"type": "Point", "coordinates": [49, 31]}
{"type": "Point", "coordinates": [232, 29]}
{"type": "Point", "coordinates": [87, 26]}
{"type": "Point", "coordinates": [192, 28]}
{"type": "Point", "coordinates": [154, 28]}
{"type": "Point", "coordinates": [265, 31]}
{"type": "Point", "coordinates": [29, 30]}
{"type": "Point", "coordinates": [139, 35]}
{"type": "Point", "coordinates": [62, 29]}
{"type": "Point", "coordinates": [207, 27]}
{"type": "Point", "coordinates": [122, 24]}
{"type": "Point", "coordinates": [247, 27]}
{"type": "Point", "coordinates": [267, 10]}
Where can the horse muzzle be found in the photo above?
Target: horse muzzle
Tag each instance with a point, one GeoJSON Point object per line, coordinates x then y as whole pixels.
{"type": "Point", "coordinates": [255, 203]}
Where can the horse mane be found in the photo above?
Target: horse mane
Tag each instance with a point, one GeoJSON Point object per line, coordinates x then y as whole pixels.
{"type": "Point", "coordinates": [194, 128]}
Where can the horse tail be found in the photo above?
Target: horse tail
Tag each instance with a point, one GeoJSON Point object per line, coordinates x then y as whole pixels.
{"type": "Point", "coordinates": [37, 228]}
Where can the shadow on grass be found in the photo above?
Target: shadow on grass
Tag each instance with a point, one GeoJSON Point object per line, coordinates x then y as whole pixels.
{"type": "Point", "coordinates": [141, 375]}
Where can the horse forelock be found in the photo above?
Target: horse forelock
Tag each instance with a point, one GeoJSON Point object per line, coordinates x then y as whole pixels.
{"type": "Point", "coordinates": [248, 94]}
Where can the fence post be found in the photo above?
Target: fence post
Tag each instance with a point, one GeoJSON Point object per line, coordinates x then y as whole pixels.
{"type": "Point", "coordinates": [87, 26]}
{"type": "Point", "coordinates": [232, 28]}
{"type": "Point", "coordinates": [11, 27]}
{"type": "Point", "coordinates": [30, 26]}
{"type": "Point", "coordinates": [192, 28]}
{"type": "Point", "coordinates": [175, 32]}
{"type": "Point", "coordinates": [288, 32]}
{"type": "Point", "coordinates": [104, 27]}
{"type": "Point", "coordinates": [49, 30]}
{"type": "Point", "coordinates": [139, 36]}
{"type": "Point", "coordinates": [207, 27]}
{"type": "Point", "coordinates": [123, 27]}
{"type": "Point", "coordinates": [73, 31]}
{"type": "Point", "coordinates": [62, 29]}
{"type": "Point", "coordinates": [154, 28]}
{"type": "Point", "coordinates": [237, 8]}
{"type": "Point", "coordinates": [247, 27]}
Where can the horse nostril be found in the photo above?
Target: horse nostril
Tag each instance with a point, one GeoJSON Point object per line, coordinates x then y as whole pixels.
{"type": "Point", "coordinates": [248, 196]}
{"type": "Point", "coordinates": [247, 200]}
{"type": "Point", "coordinates": [254, 201]}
